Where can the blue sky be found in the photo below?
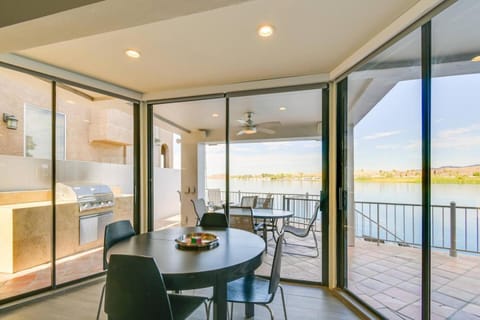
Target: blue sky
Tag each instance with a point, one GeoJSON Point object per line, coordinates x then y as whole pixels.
{"type": "Point", "coordinates": [388, 137]}
{"type": "Point", "coordinates": [266, 157]}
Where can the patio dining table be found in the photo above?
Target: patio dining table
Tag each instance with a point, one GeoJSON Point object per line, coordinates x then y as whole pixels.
{"type": "Point", "coordinates": [238, 254]}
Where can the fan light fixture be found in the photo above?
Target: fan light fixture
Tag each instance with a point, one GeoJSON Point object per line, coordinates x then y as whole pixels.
{"type": "Point", "coordinates": [265, 30]}
{"type": "Point", "coordinates": [132, 53]}
{"type": "Point", "coordinates": [476, 59]}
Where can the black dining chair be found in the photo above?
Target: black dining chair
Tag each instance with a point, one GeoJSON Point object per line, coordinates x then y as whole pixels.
{"type": "Point", "coordinates": [214, 220]}
{"type": "Point", "coordinates": [135, 290]}
{"type": "Point", "coordinates": [257, 290]}
{"type": "Point", "coordinates": [114, 232]}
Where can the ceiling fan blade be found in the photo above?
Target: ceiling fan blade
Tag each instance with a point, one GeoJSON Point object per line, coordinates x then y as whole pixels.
{"type": "Point", "coordinates": [240, 133]}
{"type": "Point", "coordinates": [270, 123]}
{"type": "Point", "coordinates": [265, 130]}
{"type": "Point", "coordinates": [242, 122]}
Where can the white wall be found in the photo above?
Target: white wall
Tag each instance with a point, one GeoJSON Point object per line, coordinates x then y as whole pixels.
{"type": "Point", "coordinates": [166, 198]}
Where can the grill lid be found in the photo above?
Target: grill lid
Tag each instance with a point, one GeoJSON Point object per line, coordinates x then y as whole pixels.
{"type": "Point", "coordinates": [88, 196]}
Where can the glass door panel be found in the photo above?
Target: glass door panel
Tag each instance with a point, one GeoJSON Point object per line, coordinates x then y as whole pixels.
{"type": "Point", "coordinates": [276, 157]}
{"type": "Point", "coordinates": [26, 184]}
{"type": "Point", "coordinates": [189, 155]}
{"type": "Point", "coordinates": [455, 142]}
{"type": "Point", "coordinates": [94, 184]}
{"type": "Point", "coordinates": [383, 186]}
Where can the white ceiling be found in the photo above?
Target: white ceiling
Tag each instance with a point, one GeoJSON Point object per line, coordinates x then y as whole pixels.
{"type": "Point", "coordinates": [220, 46]}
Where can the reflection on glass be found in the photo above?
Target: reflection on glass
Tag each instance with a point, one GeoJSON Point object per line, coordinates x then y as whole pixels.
{"type": "Point", "coordinates": [25, 186]}
{"type": "Point", "coordinates": [94, 176]}
{"type": "Point", "coordinates": [455, 162]}
{"type": "Point", "coordinates": [384, 181]}
{"type": "Point", "coordinates": [275, 157]}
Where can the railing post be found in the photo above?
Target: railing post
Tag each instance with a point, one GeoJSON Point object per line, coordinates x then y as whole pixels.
{"type": "Point", "coordinates": [378, 224]}
{"type": "Point", "coordinates": [453, 229]}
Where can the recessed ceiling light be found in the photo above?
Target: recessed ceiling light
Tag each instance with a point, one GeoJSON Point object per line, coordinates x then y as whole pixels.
{"type": "Point", "coordinates": [70, 101]}
{"type": "Point", "coordinates": [215, 115]}
{"type": "Point", "coordinates": [282, 108]}
{"type": "Point", "coordinates": [132, 53]}
{"type": "Point", "coordinates": [265, 30]}
{"type": "Point", "coordinates": [476, 59]}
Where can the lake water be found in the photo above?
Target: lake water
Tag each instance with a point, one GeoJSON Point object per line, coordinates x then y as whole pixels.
{"type": "Point", "coordinates": [404, 222]}
{"type": "Point", "coordinates": [442, 194]}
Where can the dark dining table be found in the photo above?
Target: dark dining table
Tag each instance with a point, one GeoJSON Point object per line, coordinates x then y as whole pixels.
{"type": "Point", "coordinates": [238, 254]}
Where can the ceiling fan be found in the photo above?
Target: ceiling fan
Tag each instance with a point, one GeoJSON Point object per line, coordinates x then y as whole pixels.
{"type": "Point", "coordinates": [250, 127]}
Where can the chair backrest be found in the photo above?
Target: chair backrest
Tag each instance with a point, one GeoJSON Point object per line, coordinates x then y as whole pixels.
{"type": "Point", "coordinates": [314, 216]}
{"type": "Point", "coordinates": [276, 266]}
{"type": "Point", "coordinates": [249, 201]}
{"type": "Point", "coordinates": [214, 196]}
{"type": "Point", "coordinates": [241, 218]}
{"type": "Point", "coordinates": [264, 203]}
{"type": "Point", "coordinates": [214, 220]}
{"type": "Point", "coordinates": [200, 208]}
{"type": "Point", "coordinates": [135, 289]}
{"type": "Point", "coordinates": [115, 232]}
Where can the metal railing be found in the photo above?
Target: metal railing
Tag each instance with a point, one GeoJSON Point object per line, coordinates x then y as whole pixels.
{"type": "Point", "coordinates": [302, 205]}
{"type": "Point", "coordinates": [455, 228]}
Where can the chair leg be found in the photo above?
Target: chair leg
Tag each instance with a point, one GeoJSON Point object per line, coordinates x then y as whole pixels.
{"type": "Point", "coordinates": [283, 302]}
{"type": "Point", "coordinates": [317, 252]}
{"type": "Point", "coordinates": [269, 310]}
{"type": "Point", "coordinates": [100, 302]}
{"type": "Point", "coordinates": [207, 309]}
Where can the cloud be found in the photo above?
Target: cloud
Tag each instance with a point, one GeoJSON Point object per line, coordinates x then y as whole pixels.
{"type": "Point", "coordinates": [449, 133]}
{"type": "Point", "coordinates": [387, 146]}
{"type": "Point", "coordinates": [379, 135]}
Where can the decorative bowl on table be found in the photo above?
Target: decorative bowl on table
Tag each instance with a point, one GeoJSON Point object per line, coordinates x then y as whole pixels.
{"type": "Point", "coordinates": [197, 240]}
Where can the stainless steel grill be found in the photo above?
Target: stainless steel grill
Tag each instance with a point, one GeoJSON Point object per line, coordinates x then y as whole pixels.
{"type": "Point", "coordinates": [88, 196]}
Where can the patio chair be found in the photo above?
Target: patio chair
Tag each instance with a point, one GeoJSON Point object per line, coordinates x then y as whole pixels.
{"type": "Point", "coordinates": [214, 220]}
{"type": "Point", "coordinates": [135, 290]}
{"type": "Point", "coordinates": [265, 203]}
{"type": "Point", "coordinates": [249, 201]}
{"type": "Point", "coordinates": [304, 232]}
{"type": "Point", "coordinates": [215, 198]}
{"type": "Point", "coordinates": [199, 208]}
{"type": "Point", "coordinates": [114, 232]}
{"type": "Point", "coordinates": [242, 218]}
{"type": "Point", "coordinates": [257, 290]}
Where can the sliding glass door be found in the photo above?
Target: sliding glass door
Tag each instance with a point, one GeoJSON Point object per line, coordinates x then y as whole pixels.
{"type": "Point", "coordinates": [95, 155]}
{"type": "Point", "coordinates": [408, 206]}
{"type": "Point", "coordinates": [187, 155]}
{"type": "Point", "coordinates": [269, 145]}
{"type": "Point", "coordinates": [455, 287]}
{"type": "Point", "coordinates": [276, 159]}
{"type": "Point", "coordinates": [26, 215]}
{"type": "Point", "coordinates": [68, 161]}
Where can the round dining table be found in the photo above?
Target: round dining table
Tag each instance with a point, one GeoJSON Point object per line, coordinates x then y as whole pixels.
{"type": "Point", "coordinates": [238, 254]}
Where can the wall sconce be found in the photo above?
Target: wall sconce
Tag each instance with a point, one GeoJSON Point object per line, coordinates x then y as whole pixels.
{"type": "Point", "coordinates": [11, 121]}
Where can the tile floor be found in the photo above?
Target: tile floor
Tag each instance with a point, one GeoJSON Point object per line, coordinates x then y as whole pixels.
{"type": "Point", "coordinates": [303, 303]}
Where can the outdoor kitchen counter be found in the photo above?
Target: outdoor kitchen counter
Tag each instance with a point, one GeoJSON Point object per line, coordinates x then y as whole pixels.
{"type": "Point", "coordinates": [26, 228]}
